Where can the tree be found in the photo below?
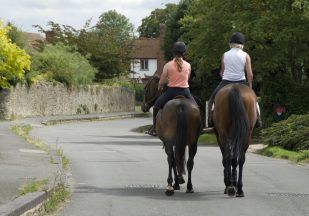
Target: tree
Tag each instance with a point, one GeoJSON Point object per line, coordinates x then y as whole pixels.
{"type": "Point", "coordinates": [111, 45]}
{"type": "Point", "coordinates": [13, 60]}
{"type": "Point", "coordinates": [107, 45]}
{"type": "Point", "coordinates": [150, 27]}
{"type": "Point", "coordinates": [173, 30]}
{"type": "Point", "coordinates": [16, 35]}
{"type": "Point", "coordinates": [276, 39]}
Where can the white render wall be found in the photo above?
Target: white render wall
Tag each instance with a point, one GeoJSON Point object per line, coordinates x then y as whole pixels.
{"type": "Point", "coordinates": [136, 67]}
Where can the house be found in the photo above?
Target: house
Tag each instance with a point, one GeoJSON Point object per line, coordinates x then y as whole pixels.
{"type": "Point", "coordinates": [147, 57]}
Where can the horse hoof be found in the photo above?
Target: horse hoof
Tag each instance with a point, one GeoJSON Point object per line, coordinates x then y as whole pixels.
{"type": "Point", "coordinates": [169, 192]}
{"type": "Point", "coordinates": [176, 187]}
{"type": "Point", "coordinates": [181, 180]}
{"type": "Point", "coordinates": [231, 191]}
{"type": "Point", "coordinates": [190, 191]}
{"type": "Point", "coordinates": [240, 194]}
{"type": "Point", "coordinates": [225, 190]}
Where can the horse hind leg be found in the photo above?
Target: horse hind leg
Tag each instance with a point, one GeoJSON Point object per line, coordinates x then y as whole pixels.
{"type": "Point", "coordinates": [190, 164]}
{"type": "Point", "coordinates": [240, 192]}
{"type": "Point", "coordinates": [169, 191]}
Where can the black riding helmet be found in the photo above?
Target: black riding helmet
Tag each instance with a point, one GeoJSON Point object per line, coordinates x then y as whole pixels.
{"type": "Point", "coordinates": [179, 48]}
{"type": "Point", "coordinates": [237, 38]}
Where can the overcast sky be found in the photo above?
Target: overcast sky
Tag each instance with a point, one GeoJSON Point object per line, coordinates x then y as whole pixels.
{"type": "Point", "coordinates": [25, 13]}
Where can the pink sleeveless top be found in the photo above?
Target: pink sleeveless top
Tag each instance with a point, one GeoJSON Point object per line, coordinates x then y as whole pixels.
{"type": "Point", "coordinates": [174, 77]}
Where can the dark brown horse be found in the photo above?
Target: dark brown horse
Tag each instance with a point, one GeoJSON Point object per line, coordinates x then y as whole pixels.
{"type": "Point", "coordinates": [234, 118]}
{"type": "Point", "coordinates": [178, 125]}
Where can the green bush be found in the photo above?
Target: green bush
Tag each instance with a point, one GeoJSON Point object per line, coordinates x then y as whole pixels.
{"type": "Point", "coordinates": [281, 89]}
{"type": "Point", "coordinates": [139, 92]}
{"type": "Point", "coordinates": [58, 62]}
{"type": "Point", "coordinates": [290, 134]}
{"type": "Point", "coordinates": [126, 82]}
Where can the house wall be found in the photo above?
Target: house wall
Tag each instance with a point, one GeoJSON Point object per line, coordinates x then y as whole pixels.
{"type": "Point", "coordinates": [46, 99]}
{"type": "Point", "coordinates": [136, 67]}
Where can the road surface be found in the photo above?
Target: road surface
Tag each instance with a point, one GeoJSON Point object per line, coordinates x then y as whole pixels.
{"type": "Point", "coordinates": [119, 172]}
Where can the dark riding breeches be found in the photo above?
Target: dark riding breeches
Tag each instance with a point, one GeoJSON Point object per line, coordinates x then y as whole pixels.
{"type": "Point", "coordinates": [171, 93]}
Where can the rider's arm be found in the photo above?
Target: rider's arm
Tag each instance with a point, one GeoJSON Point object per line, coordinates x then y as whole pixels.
{"type": "Point", "coordinates": [163, 79]}
{"type": "Point", "coordinates": [222, 66]}
{"type": "Point", "coordinates": [249, 70]}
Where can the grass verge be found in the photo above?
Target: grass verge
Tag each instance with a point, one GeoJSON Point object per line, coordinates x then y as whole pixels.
{"type": "Point", "coordinates": [60, 193]}
{"type": "Point", "coordinates": [57, 197]}
{"type": "Point", "coordinates": [207, 139]}
{"type": "Point", "coordinates": [278, 152]}
{"type": "Point", "coordinates": [23, 130]}
{"type": "Point", "coordinates": [30, 187]}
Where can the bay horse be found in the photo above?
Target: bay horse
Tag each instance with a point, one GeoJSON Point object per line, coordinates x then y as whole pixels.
{"type": "Point", "coordinates": [178, 125]}
{"type": "Point", "coordinates": [234, 118]}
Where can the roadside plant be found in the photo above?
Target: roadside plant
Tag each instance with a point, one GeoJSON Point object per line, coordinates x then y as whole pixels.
{"type": "Point", "coordinates": [14, 61]}
{"type": "Point", "coordinates": [60, 63]}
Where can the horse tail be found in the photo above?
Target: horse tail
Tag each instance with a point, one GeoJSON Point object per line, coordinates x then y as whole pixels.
{"type": "Point", "coordinates": [180, 144]}
{"type": "Point", "coordinates": [239, 124]}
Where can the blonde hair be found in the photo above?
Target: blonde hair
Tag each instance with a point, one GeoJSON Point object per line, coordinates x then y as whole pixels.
{"type": "Point", "coordinates": [178, 60]}
{"type": "Point", "coordinates": [235, 45]}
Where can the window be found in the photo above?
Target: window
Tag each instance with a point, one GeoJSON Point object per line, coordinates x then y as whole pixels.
{"type": "Point", "coordinates": [144, 64]}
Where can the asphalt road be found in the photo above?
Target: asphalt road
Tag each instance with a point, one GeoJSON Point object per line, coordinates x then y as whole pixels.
{"type": "Point", "coordinates": [119, 172]}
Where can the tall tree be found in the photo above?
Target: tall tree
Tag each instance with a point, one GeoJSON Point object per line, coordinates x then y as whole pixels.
{"type": "Point", "coordinates": [107, 45]}
{"type": "Point", "coordinates": [150, 27]}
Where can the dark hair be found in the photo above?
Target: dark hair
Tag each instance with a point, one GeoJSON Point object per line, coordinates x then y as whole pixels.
{"type": "Point", "coordinates": [237, 38]}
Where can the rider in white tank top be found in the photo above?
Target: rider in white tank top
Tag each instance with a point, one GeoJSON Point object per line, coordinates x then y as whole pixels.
{"type": "Point", "coordinates": [234, 61]}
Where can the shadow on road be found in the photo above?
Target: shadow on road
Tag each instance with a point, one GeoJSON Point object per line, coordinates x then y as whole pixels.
{"type": "Point", "coordinates": [152, 193]}
{"type": "Point", "coordinates": [142, 143]}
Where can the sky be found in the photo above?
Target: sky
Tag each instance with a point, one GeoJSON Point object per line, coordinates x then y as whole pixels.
{"type": "Point", "coordinates": [25, 13]}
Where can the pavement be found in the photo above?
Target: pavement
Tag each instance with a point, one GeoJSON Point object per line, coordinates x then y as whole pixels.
{"type": "Point", "coordinates": [22, 163]}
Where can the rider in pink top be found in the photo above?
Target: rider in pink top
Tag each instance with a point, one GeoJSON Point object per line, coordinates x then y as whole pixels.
{"type": "Point", "coordinates": [176, 74]}
{"type": "Point", "coordinates": [175, 78]}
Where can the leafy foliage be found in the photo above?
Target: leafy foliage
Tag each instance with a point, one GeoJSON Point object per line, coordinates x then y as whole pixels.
{"type": "Point", "coordinates": [150, 27]}
{"type": "Point", "coordinates": [13, 60]}
{"type": "Point", "coordinates": [16, 35]}
{"type": "Point", "coordinates": [290, 134]}
{"type": "Point", "coordinates": [107, 45]}
{"type": "Point", "coordinates": [276, 39]}
{"type": "Point", "coordinates": [58, 62]}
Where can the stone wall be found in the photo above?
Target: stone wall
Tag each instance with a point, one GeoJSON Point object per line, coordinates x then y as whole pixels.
{"type": "Point", "coordinates": [47, 99]}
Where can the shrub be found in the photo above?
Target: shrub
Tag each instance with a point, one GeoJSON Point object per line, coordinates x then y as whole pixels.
{"type": "Point", "coordinates": [58, 62]}
{"type": "Point", "coordinates": [290, 134]}
{"type": "Point", "coordinates": [13, 60]}
{"type": "Point", "coordinates": [139, 92]}
{"type": "Point", "coordinates": [281, 89]}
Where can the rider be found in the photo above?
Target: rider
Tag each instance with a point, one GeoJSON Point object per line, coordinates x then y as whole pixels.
{"type": "Point", "coordinates": [234, 64]}
{"type": "Point", "coordinates": [176, 74]}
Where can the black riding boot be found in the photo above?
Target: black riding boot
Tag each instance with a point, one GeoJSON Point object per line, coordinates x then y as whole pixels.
{"type": "Point", "coordinates": [152, 131]}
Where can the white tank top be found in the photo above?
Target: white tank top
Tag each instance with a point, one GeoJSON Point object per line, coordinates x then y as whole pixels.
{"type": "Point", "coordinates": [234, 65]}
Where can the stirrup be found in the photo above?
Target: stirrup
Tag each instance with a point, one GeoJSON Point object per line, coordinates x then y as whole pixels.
{"type": "Point", "coordinates": [151, 131]}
